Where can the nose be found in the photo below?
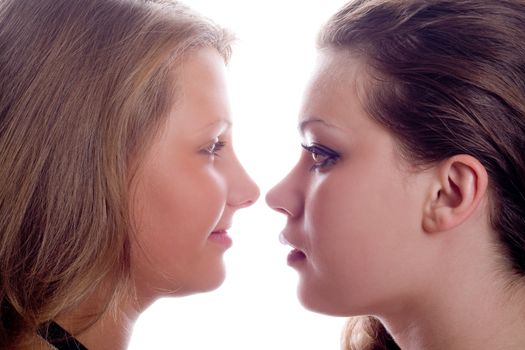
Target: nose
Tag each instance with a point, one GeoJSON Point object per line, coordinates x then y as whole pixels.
{"type": "Point", "coordinates": [286, 196]}
{"type": "Point", "coordinates": [243, 190]}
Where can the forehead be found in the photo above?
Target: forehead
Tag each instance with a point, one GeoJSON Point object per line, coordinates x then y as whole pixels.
{"type": "Point", "coordinates": [335, 90]}
{"type": "Point", "coordinates": [201, 91]}
{"type": "Point", "coordinates": [337, 65]}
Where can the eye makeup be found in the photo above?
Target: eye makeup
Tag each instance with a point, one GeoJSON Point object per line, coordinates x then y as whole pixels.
{"type": "Point", "coordinates": [214, 148]}
{"type": "Point", "coordinates": [322, 156]}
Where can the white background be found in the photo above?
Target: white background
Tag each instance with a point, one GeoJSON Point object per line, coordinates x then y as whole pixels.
{"type": "Point", "coordinates": [256, 308]}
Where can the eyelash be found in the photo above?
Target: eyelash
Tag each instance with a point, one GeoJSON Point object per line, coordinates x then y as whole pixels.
{"type": "Point", "coordinates": [214, 148]}
{"type": "Point", "coordinates": [330, 157]}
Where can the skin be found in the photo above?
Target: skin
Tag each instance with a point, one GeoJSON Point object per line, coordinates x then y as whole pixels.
{"type": "Point", "coordinates": [188, 188]}
{"type": "Point", "coordinates": [333, 210]}
{"type": "Point", "coordinates": [375, 235]}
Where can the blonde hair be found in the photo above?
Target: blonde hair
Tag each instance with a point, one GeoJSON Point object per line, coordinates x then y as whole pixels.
{"type": "Point", "coordinates": [366, 333]}
{"type": "Point", "coordinates": [83, 88]}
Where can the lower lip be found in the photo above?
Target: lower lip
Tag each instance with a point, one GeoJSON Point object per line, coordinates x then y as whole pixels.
{"type": "Point", "coordinates": [222, 238]}
{"type": "Point", "coordinates": [295, 257]}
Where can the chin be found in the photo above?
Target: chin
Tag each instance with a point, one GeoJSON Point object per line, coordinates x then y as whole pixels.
{"type": "Point", "coordinates": [214, 278]}
{"type": "Point", "coordinates": [213, 284]}
{"type": "Point", "coordinates": [205, 282]}
{"type": "Point", "coordinates": [320, 301]}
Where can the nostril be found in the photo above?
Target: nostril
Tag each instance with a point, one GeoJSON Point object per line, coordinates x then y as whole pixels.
{"type": "Point", "coordinates": [286, 198]}
{"type": "Point", "coordinates": [283, 211]}
{"type": "Point", "coordinates": [247, 203]}
{"type": "Point", "coordinates": [244, 195]}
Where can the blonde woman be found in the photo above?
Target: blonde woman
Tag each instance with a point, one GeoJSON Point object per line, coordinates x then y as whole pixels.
{"type": "Point", "coordinates": [118, 181]}
{"type": "Point", "coordinates": [407, 206]}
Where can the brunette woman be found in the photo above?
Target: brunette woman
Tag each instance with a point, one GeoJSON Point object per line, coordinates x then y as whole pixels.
{"type": "Point", "coordinates": [407, 205]}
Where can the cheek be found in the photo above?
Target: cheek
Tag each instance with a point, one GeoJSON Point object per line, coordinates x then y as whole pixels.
{"type": "Point", "coordinates": [338, 229]}
{"type": "Point", "coordinates": [357, 232]}
{"type": "Point", "coordinates": [178, 205]}
{"type": "Point", "coordinates": [174, 216]}
{"type": "Point", "coordinates": [358, 213]}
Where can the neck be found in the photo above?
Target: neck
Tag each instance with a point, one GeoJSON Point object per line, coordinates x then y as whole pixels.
{"type": "Point", "coordinates": [462, 326]}
{"type": "Point", "coordinates": [471, 307]}
{"type": "Point", "coordinates": [112, 330]}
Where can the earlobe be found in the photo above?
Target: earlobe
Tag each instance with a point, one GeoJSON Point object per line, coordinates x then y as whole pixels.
{"type": "Point", "coordinates": [460, 184]}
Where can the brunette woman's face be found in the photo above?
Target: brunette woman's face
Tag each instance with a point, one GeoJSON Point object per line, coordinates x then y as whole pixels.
{"type": "Point", "coordinates": [352, 203]}
{"type": "Point", "coordinates": [189, 186]}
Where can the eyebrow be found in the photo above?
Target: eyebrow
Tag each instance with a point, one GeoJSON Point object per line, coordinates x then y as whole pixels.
{"type": "Point", "coordinates": [224, 123]}
{"type": "Point", "coordinates": [302, 125]}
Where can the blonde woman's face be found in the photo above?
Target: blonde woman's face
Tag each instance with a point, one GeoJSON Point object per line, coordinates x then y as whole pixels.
{"type": "Point", "coordinates": [353, 209]}
{"type": "Point", "coordinates": [189, 187]}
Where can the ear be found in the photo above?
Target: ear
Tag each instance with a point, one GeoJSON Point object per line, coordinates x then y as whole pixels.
{"type": "Point", "coordinates": [460, 184]}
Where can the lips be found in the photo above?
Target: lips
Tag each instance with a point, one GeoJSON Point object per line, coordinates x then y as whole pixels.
{"type": "Point", "coordinates": [219, 232]}
{"type": "Point", "coordinates": [296, 255]}
{"type": "Point", "coordinates": [221, 229]}
{"type": "Point", "coordinates": [221, 236]}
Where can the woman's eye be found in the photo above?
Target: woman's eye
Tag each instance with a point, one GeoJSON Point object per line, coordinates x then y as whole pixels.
{"type": "Point", "coordinates": [323, 157]}
{"type": "Point", "coordinates": [318, 157]}
{"type": "Point", "coordinates": [214, 148]}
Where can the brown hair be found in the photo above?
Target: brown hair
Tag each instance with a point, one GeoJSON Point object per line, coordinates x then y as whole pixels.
{"type": "Point", "coordinates": [84, 86]}
{"type": "Point", "coordinates": [446, 77]}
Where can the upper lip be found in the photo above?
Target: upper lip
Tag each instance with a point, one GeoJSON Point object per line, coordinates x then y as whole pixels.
{"type": "Point", "coordinates": [283, 239]}
{"type": "Point", "coordinates": [287, 241]}
{"type": "Point", "coordinates": [223, 229]}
